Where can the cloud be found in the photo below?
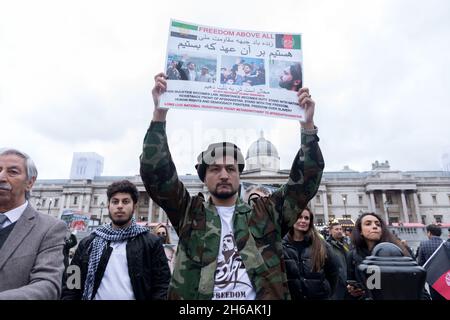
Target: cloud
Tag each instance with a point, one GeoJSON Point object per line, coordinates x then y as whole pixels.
{"type": "Point", "coordinates": [77, 77]}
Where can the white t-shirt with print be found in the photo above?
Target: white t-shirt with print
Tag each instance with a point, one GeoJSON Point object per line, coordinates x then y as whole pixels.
{"type": "Point", "coordinates": [231, 278]}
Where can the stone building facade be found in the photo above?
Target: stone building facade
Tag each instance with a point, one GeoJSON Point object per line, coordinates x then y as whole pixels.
{"type": "Point", "coordinates": [399, 196]}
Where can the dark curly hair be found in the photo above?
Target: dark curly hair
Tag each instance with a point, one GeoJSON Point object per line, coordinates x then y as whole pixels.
{"type": "Point", "coordinates": [123, 186]}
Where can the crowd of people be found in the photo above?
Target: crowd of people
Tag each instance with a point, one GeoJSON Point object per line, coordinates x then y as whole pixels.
{"type": "Point", "coordinates": [182, 70]}
{"type": "Point", "coordinates": [243, 74]}
{"type": "Point", "coordinates": [262, 247]}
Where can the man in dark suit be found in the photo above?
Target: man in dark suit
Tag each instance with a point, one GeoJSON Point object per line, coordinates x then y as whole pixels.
{"type": "Point", "coordinates": [427, 247]}
{"type": "Point", "coordinates": [31, 243]}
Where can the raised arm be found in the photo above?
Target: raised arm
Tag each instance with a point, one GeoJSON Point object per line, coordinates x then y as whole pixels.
{"type": "Point", "coordinates": [306, 171]}
{"type": "Point", "coordinates": [157, 170]}
{"type": "Point", "coordinates": [159, 115]}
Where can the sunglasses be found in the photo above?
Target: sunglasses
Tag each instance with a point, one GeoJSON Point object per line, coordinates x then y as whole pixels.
{"type": "Point", "coordinates": [161, 233]}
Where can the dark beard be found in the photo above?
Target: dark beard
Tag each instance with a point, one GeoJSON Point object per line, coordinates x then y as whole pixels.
{"type": "Point", "coordinates": [120, 223]}
{"type": "Point", "coordinates": [286, 84]}
{"type": "Point", "coordinates": [223, 196]}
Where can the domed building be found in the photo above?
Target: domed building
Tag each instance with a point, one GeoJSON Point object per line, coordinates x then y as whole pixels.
{"type": "Point", "coordinates": [262, 155]}
{"type": "Point", "coordinates": [405, 199]}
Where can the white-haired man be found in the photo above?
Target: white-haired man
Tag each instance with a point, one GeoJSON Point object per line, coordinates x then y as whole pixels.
{"type": "Point", "coordinates": [31, 243]}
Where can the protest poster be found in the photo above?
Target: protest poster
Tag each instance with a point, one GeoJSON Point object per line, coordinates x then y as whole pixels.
{"type": "Point", "coordinates": [221, 69]}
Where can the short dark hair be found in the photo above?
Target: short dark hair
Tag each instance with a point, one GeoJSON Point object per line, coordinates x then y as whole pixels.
{"type": "Point", "coordinates": [434, 230]}
{"type": "Point", "coordinates": [123, 186]}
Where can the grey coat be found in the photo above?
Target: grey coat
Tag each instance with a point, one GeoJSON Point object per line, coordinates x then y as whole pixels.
{"type": "Point", "coordinates": [31, 259]}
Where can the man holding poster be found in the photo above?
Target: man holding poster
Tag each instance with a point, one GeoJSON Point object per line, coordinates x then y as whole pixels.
{"type": "Point", "coordinates": [228, 249]}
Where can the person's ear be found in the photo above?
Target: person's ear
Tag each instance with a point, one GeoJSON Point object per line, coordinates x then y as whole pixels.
{"type": "Point", "coordinates": [30, 183]}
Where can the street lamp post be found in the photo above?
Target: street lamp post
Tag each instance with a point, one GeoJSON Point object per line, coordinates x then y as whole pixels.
{"type": "Point", "coordinates": [49, 204]}
{"type": "Point", "coordinates": [344, 198]}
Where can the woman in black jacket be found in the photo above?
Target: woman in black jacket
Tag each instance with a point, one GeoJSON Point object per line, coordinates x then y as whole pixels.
{"type": "Point", "coordinates": [370, 230]}
{"type": "Point", "coordinates": [311, 267]}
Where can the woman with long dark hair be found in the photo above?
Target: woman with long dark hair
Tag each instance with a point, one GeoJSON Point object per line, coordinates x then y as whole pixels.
{"type": "Point", "coordinates": [370, 230]}
{"type": "Point", "coordinates": [311, 267]}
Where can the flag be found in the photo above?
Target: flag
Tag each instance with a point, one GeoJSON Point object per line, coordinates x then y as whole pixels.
{"type": "Point", "coordinates": [288, 41]}
{"type": "Point", "coordinates": [183, 30]}
{"type": "Point", "coordinates": [438, 270]}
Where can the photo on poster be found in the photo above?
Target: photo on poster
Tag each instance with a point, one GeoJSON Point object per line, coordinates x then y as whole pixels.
{"type": "Point", "coordinates": [250, 191]}
{"type": "Point", "coordinates": [191, 68]}
{"type": "Point", "coordinates": [242, 71]}
{"type": "Point", "coordinates": [285, 75]}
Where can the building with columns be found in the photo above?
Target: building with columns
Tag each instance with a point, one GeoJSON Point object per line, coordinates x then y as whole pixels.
{"type": "Point", "coordinates": [399, 196]}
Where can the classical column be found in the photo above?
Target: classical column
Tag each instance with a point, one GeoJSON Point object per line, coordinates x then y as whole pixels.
{"type": "Point", "coordinates": [68, 199]}
{"type": "Point", "coordinates": [405, 209]}
{"type": "Point", "coordinates": [325, 207]}
{"type": "Point", "coordinates": [160, 214]}
{"type": "Point", "coordinates": [62, 205]}
{"type": "Point", "coordinates": [87, 208]}
{"type": "Point", "coordinates": [149, 213]}
{"type": "Point", "coordinates": [386, 215]}
{"type": "Point", "coordinates": [372, 201]}
{"type": "Point", "coordinates": [154, 211]}
{"type": "Point", "coordinates": [312, 204]}
{"type": "Point", "coordinates": [80, 206]}
{"type": "Point", "coordinates": [416, 207]}
{"type": "Point", "coordinates": [63, 202]}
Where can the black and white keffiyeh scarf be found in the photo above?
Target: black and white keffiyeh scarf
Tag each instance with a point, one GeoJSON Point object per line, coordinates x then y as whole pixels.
{"type": "Point", "coordinates": [104, 234]}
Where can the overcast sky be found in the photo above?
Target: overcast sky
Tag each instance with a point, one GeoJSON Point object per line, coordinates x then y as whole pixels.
{"type": "Point", "coordinates": [76, 76]}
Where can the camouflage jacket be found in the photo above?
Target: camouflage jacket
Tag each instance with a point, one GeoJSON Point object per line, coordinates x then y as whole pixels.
{"type": "Point", "coordinates": [258, 230]}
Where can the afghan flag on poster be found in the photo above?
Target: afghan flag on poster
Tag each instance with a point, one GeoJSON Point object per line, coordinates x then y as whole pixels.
{"type": "Point", "coordinates": [183, 30]}
{"type": "Point", "coordinates": [288, 41]}
{"type": "Point", "coordinates": [438, 270]}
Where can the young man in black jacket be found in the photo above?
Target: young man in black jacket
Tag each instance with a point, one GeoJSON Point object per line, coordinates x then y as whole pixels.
{"type": "Point", "coordinates": [121, 260]}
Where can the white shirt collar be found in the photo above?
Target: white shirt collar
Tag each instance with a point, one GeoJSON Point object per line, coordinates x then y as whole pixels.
{"type": "Point", "coordinates": [14, 214]}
